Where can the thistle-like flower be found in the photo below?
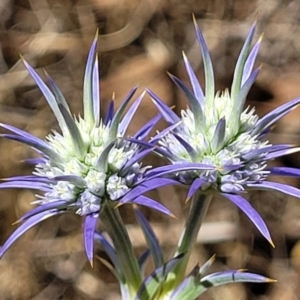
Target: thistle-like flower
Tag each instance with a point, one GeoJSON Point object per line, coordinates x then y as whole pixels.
{"type": "Point", "coordinates": [89, 164]}
{"type": "Point", "coordinates": [216, 131]}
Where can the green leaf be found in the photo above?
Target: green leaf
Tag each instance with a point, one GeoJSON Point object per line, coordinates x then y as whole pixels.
{"type": "Point", "coordinates": [153, 283]}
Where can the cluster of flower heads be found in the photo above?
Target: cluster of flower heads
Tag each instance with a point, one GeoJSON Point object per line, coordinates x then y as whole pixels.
{"type": "Point", "coordinates": [214, 147]}
{"type": "Point", "coordinates": [229, 143]}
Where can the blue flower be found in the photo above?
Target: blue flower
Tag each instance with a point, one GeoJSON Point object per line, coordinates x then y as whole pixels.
{"type": "Point", "coordinates": [86, 166]}
{"type": "Point", "coordinates": [216, 131]}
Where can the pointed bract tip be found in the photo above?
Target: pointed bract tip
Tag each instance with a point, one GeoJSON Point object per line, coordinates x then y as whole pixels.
{"type": "Point", "coordinates": [22, 57]}
{"type": "Point", "coordinates": [16, 222]}
{"type": "Point", "coordinates": [270, 280]}
{"type": "Point", "coordinates": [173, 216]}
{"type": "Point", "coordinates": [256, 18]}
{"type": "Point", "coordinates": [271, 243]}
{"type": "Point", "coordinates": [91, 263]}
{"type": "Point", "coordinates": [187, 200]}
{"type": "Point", "coordinates": [294, 107]}
{"type": "Point", "coordinates": [118, 205]}
{"type": "Point", "coordinates": [194, 20]}
{"type": "Point", "coordinates": [213, 258]}
{"type": "Point", "coordinates": [113, 96]}
{"type": "Point", "coordinates": [96, 34]}
{"type": "Point", "coordinates": [45, 72]}
{"type": "Point", "coordinates": [169, 74]}
{"type": "Point", "coordinates": [24, 61]}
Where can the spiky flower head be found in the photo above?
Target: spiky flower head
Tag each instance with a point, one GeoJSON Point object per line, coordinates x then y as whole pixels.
{"type": "Point", "coordinates": [215, 131]}
{"type": "Point", "coordinates": [88, 164]}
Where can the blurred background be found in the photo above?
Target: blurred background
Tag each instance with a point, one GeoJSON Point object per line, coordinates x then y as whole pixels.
{"type": "Point", "coordinates": [139, 41]}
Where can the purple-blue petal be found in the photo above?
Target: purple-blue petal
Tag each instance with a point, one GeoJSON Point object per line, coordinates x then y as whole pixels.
{"type": "Point", "coordinates": [24, 134]}
{"type": "Point", "coordinates": [47, 94]}
{"type": "Point", "coordinates": [96, 92]}
{"type": "Point", "coordinates": [240, 99]}
{"type": "Point", "coordinates": [142, 260]}
{"type": "Point", "coordinates": [219, 135]}
{"type": "Point", "coordinates": [187, 146]}
{"type": "Point", "coordinates": [164, 132]}
{"type": "Point", "coordinates": [197, 183]}
{"type": "Point", "coordinates": [134, 159]}
{"type": "Point", "coordinates": [30, 178]}
{"type": "Point", "coordinates": [276, 186]}
{"type": "Point", "coordinates": [173, 169]}
{"type": "Point", "coordinates": [58, 205]}
{"type": "Point", "coordinates": [115, 122]}
{"type": "Point", "coordinates": [35, 161]}
{"type": "Point", "coordinates": [36, 144]}
{"type": "Point", "coordinates": [108, 248]}
{"type": "Point", "coordinates": [208, 68]}
{"type": "Point", "coordinates": [195, 106]}
{"type": "Point", "coordinates": [194, 81]}
{"type": "Point", "coordinates": [273, 116]}
{"type": "Point", "coordinates": [167, 113]}
{"type": "Point", "coordinates": [88, 234]}
{"type": "Point", "coordinates": [250, 61]}
{"type": "Point", "coordinates": [26, 226]}
{"type": "Point", "coordinates": [284, 171]}
{"type": "Point", "coordinates": [74, 179]}
{"type": "Point", "coordinates": [280, 153]}
{"type": "Point", "coordinates": [268, 149]}
{"type": "Point", "coordinates": [251, 213]}
{"type": "Point", "coordinates": [129, 115]}
{"type": "Point", "coordinates": [148, 202]}
{"type": "Point", "coordinates": [146, 129]}
{"type": "Point", "coordinates": [110, 112]}
{"type": "Point", "coordinates": [24, 185]}
{"type": "Point", "coordinates": [239, 69]}
{"type": "Point", "coordinates": [57, 93]}
{"type": "Point", "coordinates": [229, 168]}
{"type": "Point", "coordinates": [88, 104]}
{"type": "Point", "coordinates": [151, 239]}
{"type": "Point", "coordinates": [145, 187]}
{"type": "Point", "coordinates": [143, 144]}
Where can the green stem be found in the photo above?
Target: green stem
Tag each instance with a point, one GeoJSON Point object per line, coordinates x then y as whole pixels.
{"type": "Point", "coordinates": [129, 267]}
{"type": "Point", "coordinates": [199, 205]}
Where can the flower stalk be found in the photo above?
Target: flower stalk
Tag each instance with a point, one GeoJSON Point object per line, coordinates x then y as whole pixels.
{"type": "Point", "coordinates": [198, 209]}
{"type": "Point", "coordinates": [128, 264]}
